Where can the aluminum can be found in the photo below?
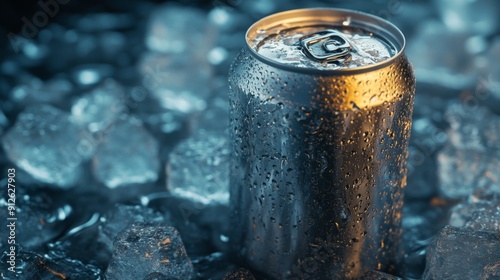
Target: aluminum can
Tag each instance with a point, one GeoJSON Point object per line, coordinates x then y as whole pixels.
{"type": "Point", "coordinates": [320, 115]}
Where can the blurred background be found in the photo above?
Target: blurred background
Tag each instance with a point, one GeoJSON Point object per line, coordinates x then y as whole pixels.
{"type": "Point", "coordinates": [117, 111]}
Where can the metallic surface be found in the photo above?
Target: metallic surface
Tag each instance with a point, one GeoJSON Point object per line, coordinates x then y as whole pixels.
{"type": "Point", "coordinates": [318, 165]}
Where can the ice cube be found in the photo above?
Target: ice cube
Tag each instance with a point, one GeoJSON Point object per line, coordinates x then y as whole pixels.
{"type": "Point", "coordinates": [145, 248]}
{"type": "Point", "coordinates": [166, 125]}
{"type": "Point", "coordinates": [82, 242]}
{"type": "Point", "coordinates": [216, 117]}
{"type": "Point", "coordinates": [461, 171]}
{"type": "Point", "coordinates": [91, 241]}
{"type": "Point", "coordinates": [203, 228]}
{"type": "Point", "coordinates": [425, 134]}
{"type": "Point", "coordinates": [431, 102]}
{"type": "Point", "coordinates": [436, 62]}
{"type": "Point", "coordinates": [91, 74]}
{"type": "Point", "coordinates": [120, 216]}
{"type": "Point", "coordinates": [101, 107]}
{"type": "Point", "coordinates": [41, 217]}
{"type": "Point", "coordinates": [483, 215]}
{"type": "Point", "coordinates": [166, 122]}
{"type": "Point", "coordinates": [32, 90]}
{"type": "Point", "coordinates": [199, 168]}
{"type": "Point", "coordinates": [30, 265]}
{"type": "Point", "coordinates": [473, 127]}
{"type": "Point", "coordinates": [127, 155]}
{"type": "Point", "coordinates": [377, 275]}
{"type": "Point", "coordinates": [480, 17]}
{"type": "Point", "coordinates": [461, 253]}
{"type": "Point", "coordinates": [426, 139]}
{"type": "Point", "coordinates": [176, 29]}
{"type": "Point", "coordinates": [178, 83]}
{"type": "Point", "coordinates": [421, 220]}
{"type": "Point", "coordinates": [470, 160]}
{"type": "Point", "coordinates": [48, 144]}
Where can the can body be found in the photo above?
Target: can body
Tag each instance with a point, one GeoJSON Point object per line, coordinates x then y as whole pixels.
{"type": "Point", "coordinates": [318, 167]}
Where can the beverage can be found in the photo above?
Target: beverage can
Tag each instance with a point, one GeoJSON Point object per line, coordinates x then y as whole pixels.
{"type": "Point", "coordinates": [320, 115]}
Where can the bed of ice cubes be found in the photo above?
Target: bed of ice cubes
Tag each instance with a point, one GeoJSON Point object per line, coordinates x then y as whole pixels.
{"type": "Point", "coordinates": [116, 123]}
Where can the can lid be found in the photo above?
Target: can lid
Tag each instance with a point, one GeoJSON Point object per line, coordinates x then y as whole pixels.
{"type": "Point", "coordinates": [323, 46]}
{"type": "Point", "coordinates": [325, 40]}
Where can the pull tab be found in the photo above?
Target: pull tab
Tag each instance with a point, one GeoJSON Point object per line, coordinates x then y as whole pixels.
{"type": "Point", "coordinates": [326, 46]}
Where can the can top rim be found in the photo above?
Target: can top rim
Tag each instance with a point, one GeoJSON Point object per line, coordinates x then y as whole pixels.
{"type": "Point", "coordinates": [328, 16]}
